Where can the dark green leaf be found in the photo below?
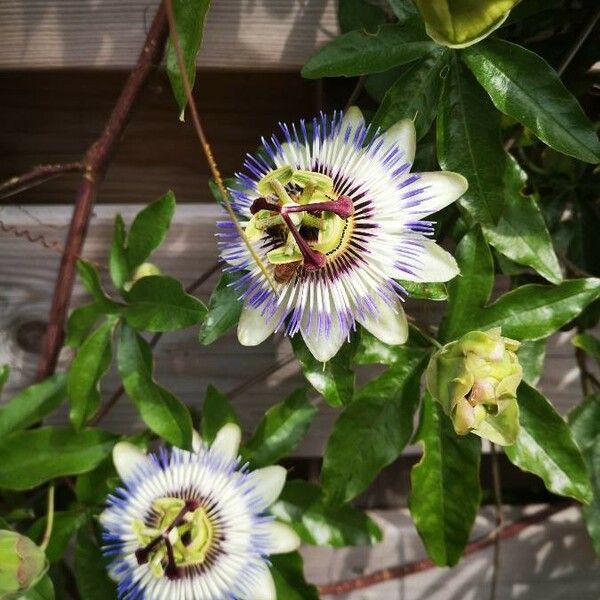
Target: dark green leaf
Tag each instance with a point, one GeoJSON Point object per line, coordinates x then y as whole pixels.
{"type": "Point", "coordinates": [281, 429]}
{"type": "Point", "coordinates": [545, 447]}
{"type": "Point", "coordinates": [118, 264]}
{"type": "Point", "coordinates": [288, 574]}
{"type": "Point", "coordinates": [415, 94]}
{"type": "Point", "coordinates": [445, 492]}
{"type": "Point", "coordinates": [359, 14]}
{"type": "Point", "coordinates": [87, 369]}
{"type": "Point", "coordinates": [91, 574]}
{"type": "Point", "coordinates": [301, 505]}
{"type": "Point", "coordinates": [373, 430]}
{"type": "Point", "coordinates": [359, 52]}
{"type": "Point", "coordinates": [43, 590]}
{"type": "Point", "coordinates": [32, 404]}
{"type": "Point", "coordinates": [333, 379]}
{"type": "Point", "coordinates": [66, 523]}
{"type": "Point", "coordinates": [521, 233]}
{"type": "Point", "coordinates": [404, 9]}
{"type": "Point", "coordinates": [425, 291]}
{"type": "Point", "coordinates": [224, 309]}
{"type": "Point", "coordinates": [4, 375]}
{"type": "Point", "coordinates": [189, 19]}
{"type": "Point", "coordinates": [470, 291]}
{"type": "Point", "coordinates": [216, 412]}
{"type": "Point", "coordinates": [92, 488]}
{"type": "Point", "coordinates": [150, 227]}
{"type": "Point", "coordinates": [91, 281]}
{"type": "Point", "coordinates": [158, 303]}
{"type": "Point", "coordinates": [162, 412]}
{"type": "Point", "coordinates": [531, 312]}
{"type": "Point", "coordinates": [588, 343]}
{"type": "Point", "coordinates": [81, 321]}
{"type": "Point", "coordinates": [34, 456]}
{"type": "Point", "coordinates": [468, 142]}
{"type": "Point", "coordinates": [523, 86]}
{"type": "Point", "coordinates": [531, 357]}
{"type": "Point", "coordinates": [372, 351]}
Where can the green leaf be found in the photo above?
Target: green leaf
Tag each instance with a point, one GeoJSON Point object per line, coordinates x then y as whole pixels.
{"type": "Point", "coordinates": [425, 291]}
{"type": "Point", "coordinates": [87, 369]}
{"type": "Point", "coordinates": [468, 142]}
{"type": "Point", "coordinates": [522, 85]}
{"type": "Point", "coordinates": [32, 404]}
{"type": "Point", "coordinates": [4, 375]}
{"type": "Point", "coordinates": [93, 582]}
{"type": "Point", "coordinates": [43, 590]}
{"type": "Point", "coordinates": [521, 233]}
{"type": "Point", "coordinates": [373, 430]}
{"type": "Point", "coordinates": [460, 23]}
{"type": "Point", "coordinates": [34, 456]}
{"type": "Point", "coordinates": [359, 14]}
{"type": "Point", "coordinates": [404, 9]}
{"type": "Point", "coordinates": [532, 312]}
{"type": "Point", "coordinates": [189, 19]}
{"type": "Point", "coordinates": [334, 380]}
{"type": "Point", "coordinates": [372, 351]}
{"type": "Point", "coordinates": [158, 303]}
{"type": "Point", "coordinates": [545, 447]}
{"type": "Point", "coordinates": [80, 322]}
{"type": "Point", "coordinates": [445, 492]}
{"type": "Point", "coordinates": [150, 226]}
{"type": "Point", "coordinates": [216, 412]}
{"type": "Point", "coordinates": [531, 357]}
{"type": "Point", "coordinates": [66, 523]}
{"type": "Point", "coordinates": [415, 94]}
{"type": "Point", "coordinates": [288, 573]}
{"type": "Point", "coordinates": [118, 263]}
{"type": "Point", "coordinates": [301, 505]}
{"type": "Point", "coordinates": [360, 52]}
{"type": "Point", "coordinates": [281, 429]}
{"type": "Point", "coordinates": [224, 309]}
{"type": "Point", "coordinates": [588, 343]}
{"type": "Point", "coordinates": [91, 281]}
{"type": "Point", "coordinates": [162, 412]}
{"type": "Point", "coordinates": [92, 488]}
{"type": "Point", "coordinates": [468, 292]}
{"type": "Point", "coordinates": [585, 425]}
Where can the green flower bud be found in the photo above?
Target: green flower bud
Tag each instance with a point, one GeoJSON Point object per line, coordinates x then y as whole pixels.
{"type": "Point", "coordinates": [22, 564]}
{"type": "Point", "coordinates": [460, 23]}
{"type": "Point", "coordinates": [144, 270]}
{"type": "Point", "coordinates": [475, 379]}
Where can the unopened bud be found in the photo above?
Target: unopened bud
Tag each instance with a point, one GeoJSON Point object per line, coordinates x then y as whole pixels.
{"type": "Point", "coordinates": [22, 564]}
{"type": "Point", "coordinates": [144, 270]}
{"type": "Point", "coordinates": [475, 379]}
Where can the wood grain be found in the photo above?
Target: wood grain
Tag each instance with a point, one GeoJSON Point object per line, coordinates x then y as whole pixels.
{"type": "Point", "coordinates": [239, 34]}
{"type": "Point", "coordinates": [27, 272]}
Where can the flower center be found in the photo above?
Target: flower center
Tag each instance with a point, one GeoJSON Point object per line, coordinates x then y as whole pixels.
{"type": "Point", "coordinates": [182, 536]}
{"type": "Point", "coordinates": [302, 213]}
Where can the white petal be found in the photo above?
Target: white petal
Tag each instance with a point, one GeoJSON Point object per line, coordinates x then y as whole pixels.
{"type": "Point", "coordinates": [353, 117]}
{"type": "Point", "coordinates": [282, 538]}
{"type": "Point", "coordinates": [254, 327]}
{"type": "Point", "coordinates": [388, 324]}
{"type": "Point", "coordinates": [268, 483]}
{"type": "Point", "coordinates": [262, 587]}
{"type": "Point", "coordinates": [438, 189]}
{"type": "Point", "coordinates": [127, 458]}
{"type": "Point", "coordinates": [436, 265]}
{"type": "Point", "coordinates": [196, 441]}
{"type": "Point", "coordinates": [404, 135]}
{"type": "Point", "coordinates": [227, 441]}
{"type": "Point", "coordinates": [323, 345]}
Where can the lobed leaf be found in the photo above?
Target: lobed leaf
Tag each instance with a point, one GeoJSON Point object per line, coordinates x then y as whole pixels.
{"type": "Point", "coordinates": [91, 281]}
{"type": "Point", "coordinates": [588, 343]}
{"type": "Point", "coordinates": [81, 320]}
{"type": "Point", "coordinates": [288, 573]}
{"type": "Point", "coordinates": [118, 263]}
{"type": "Point", "coordinates": [224, 310]}
{"type": "Point", "coordinates": [93, 582]}
{"type": "Point", "coordinates": [216, 412]}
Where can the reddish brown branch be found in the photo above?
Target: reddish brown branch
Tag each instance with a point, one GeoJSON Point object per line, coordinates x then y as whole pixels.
{"type": "Point", "coordinates": [37, 176]}
{"type": "Point", "coordinates": [95, 164]}
{"type": "Point", "coordinates": [508, 531]}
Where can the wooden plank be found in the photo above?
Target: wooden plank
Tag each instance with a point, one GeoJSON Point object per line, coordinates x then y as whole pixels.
{"type": "Point", "coordinates": [553, 560]}
{"type": "Point", "coordinates": [270, 34]}
{"type": "Point", "coordinates": [28, 270]}
{"type": "Point", "coordinates": [53, 116]}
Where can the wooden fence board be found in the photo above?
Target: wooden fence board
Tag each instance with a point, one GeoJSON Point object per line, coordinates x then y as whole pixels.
{"type": "Point", "coordinates": [27, 274]}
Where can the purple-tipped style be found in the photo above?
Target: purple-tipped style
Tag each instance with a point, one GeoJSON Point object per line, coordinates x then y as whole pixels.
{"type": "Point", "coordinates": [335, 214]}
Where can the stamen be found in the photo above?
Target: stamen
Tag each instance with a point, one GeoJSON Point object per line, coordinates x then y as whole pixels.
{"type": "Point", "coordinates": [342, 207]}
{"type": "Point", "coordinates": [263, 204]}
{"type": "Point", "coordinates": [313, 260]}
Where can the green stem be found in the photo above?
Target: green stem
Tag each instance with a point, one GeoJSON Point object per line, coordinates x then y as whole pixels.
{"type": "Point", "coordinates": [49, 518]}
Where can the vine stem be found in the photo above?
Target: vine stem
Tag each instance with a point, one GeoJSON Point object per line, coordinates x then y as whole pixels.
{"type": "Point", "coordinates": [49, 518]}
{"type": "Point", "coordinates": [37, 176]}
{"type": "Point", "coordinates": [497, 483]}
{"type": "Point", "coordinates": [398, 572]}
{"type": "Point", "coordinates": [212, 164]}
{"type": "Point", "coordinates": [95, 163]}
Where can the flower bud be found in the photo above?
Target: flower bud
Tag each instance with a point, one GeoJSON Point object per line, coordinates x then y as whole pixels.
{"type": "Point", "coordinates": [22, 564]}
{"type": "Point", "coordinates": [144, 270]}
{"type": "Point", "coordinates": [475, 379]}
